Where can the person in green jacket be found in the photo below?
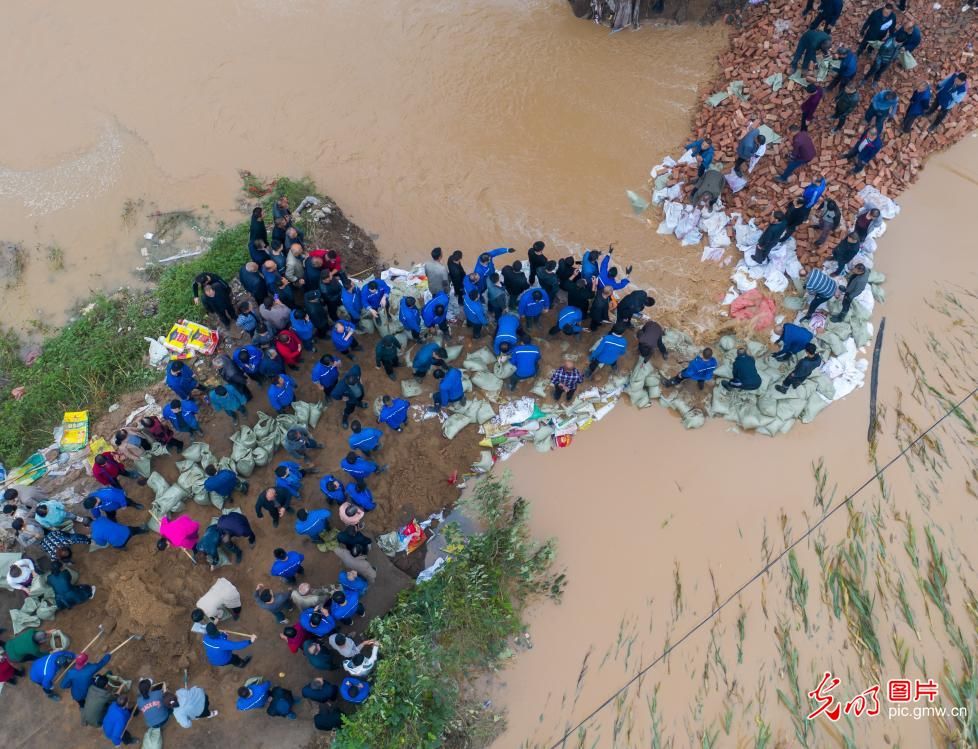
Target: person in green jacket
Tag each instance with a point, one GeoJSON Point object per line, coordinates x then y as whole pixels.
{"type": "Point", "coordinates": [27, 646]}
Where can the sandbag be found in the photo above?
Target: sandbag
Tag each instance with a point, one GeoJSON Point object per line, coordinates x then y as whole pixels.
{"type": "Point", "coordinates": [767, 405]}
{"type": "Point", "coordinates": [484, 463]}
{"type": "Point", "coordinates": [813, 408]}
{"type": "Point", "coordinates": [639, 397]}
{"type": "Point", "coordinates": [192, 452]}
{"type": "Point", "coordinates": [789, 408]}
{"type": "Point", "coordinates": [366, 325]}
{"type": "Point", "coordinates": [301, 411]}
{"type": "Point", "coordinates": [153, 739]}
{"type": "Point", "coordinates": [215, 499]}
{"type": "Point", "coordinates": [539, 388]}
{"type": "Point", "coordinates": [483, 355]}
{"type": "Point", "coordinates": [640, 373]}
{"type": "Point", "coordinates": [264, 426]}
{"type": "Point", "coordinates": [694, 419]}
{"type": "Point", "coordinates": [484, 413]}
{"type": "Point", "coordinates": [727, 343]}
{"type": "Point", "coordinates": [170, 500]}
{"type": "Point", "coordinates": [192, 477]}
{"type": "Point", "coordinates": [239, 451]}
{"type": "Point", "coordinates": [793, 302]}
{"type": "Point", "coordinates": [504, 370]}
{"type": "Point", "coordinates": [157, 483]}
{"type": "Point", "coordinates": [316, 413]}
{"type": "Point", "coordinates": [261, 456]}
{"type": "Point", "coordinates": [875, 277]}
{"type": "Point", "coordinates": [466, 383]}
{"type": "Point", "coordinates": [452, 352]}
{"type": "Point", "coordinates": [245, 466]}
{"type": "Point", "coordinates": [410, 388]}
{"type": "Point", "coordinates": [487, 381]}
{"type": "Point", "coordinates": [860, 334]}
{"type": "Point", "coordinates": [454, 424]}
{"type": "Point", "coordinates": [756, 348]}
{"type": "Point", "coordinates": [654, 391]}
{"type": "Point", "coordinates": [653, 379]}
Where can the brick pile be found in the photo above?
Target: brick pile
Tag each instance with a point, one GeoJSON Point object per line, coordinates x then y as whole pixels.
{"type": "Point", "coordinates": [757, 51]}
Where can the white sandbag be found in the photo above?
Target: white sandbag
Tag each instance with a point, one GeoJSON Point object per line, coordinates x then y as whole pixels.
{"type": "Point", "coordinates": [452, 352]}
{"type": "Point", "coordinates": [813, 408]}
{"type": "Point", "coordinates": [484, 413]}
{"type": "Point", "coordinates": [727, 343]}
{"type": "Point", "coordinates": [410, 388]}
{"type": "Point", "coordinates": [789, 408]}
{"type": "Point", "coordinates": [245, 466]}
{"type": "Point", "coordinates": [466, 383]}
{"type": "Point", "coordinates": [454, 424]}
{"type": "Point", "coordinates": [487, 381]}
{"type": "Point", "coordinates": [316, 413]}
{"type": "Point", "coordinates": [694, 419]}
{"type": "Point", "coordinates": [157, 483]}
{"type": "Point", "coordinates": [639, 373]}
{"type": "Point", "coordinates": [504, 369]}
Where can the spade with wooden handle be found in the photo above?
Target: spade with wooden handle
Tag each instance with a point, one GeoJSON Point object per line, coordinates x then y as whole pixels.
{"type": "Point", "coordinates": [124, 643]}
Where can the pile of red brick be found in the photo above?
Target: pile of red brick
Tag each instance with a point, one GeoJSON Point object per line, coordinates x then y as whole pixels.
{"type": "Point", "coordinates": [757, 51]}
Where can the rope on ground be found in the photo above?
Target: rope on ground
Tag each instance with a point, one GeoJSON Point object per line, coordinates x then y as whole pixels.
{"type": "Point", "coordinates": [760, 573]}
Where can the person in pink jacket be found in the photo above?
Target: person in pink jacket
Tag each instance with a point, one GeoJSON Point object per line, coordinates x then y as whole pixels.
{"type": "Point", "coordinates": [182, 531]}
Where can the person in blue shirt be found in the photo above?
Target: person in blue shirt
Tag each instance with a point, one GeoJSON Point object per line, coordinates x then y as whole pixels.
{"type": "Point", "coordinates": [450, 388]}
{"type": "Point", "coordinates": [361, 496]}
{"type": "Point", "coordinates": [253, 696]}
{"type": "Point", "coordinates": [180, 379]}
{"type": "Point", "coordinates": [608, 277]}
{"type": "Point", "coordinates": [228, 399]}
{"type": "Point", "coordinates": [917, 106]}
{"type": "Point", "coordinates": [526, 358]}
{"type": "Point", "coordinates": [848, 67]}
{"type": "Point", "coordinates": [609, 350]}
{"type": "Point", "coordinates": [304, 329]}
{"type": "Point", "coordinates": [108, 501]}
{"type": "Point", "coordinates": [288, 476]}
{"type": "Point", "coordinates": [281, 393]}
{"type": "Point", "coordinates": [354, 690]}
{"type": "Point", "coordinates": [271, 364]}
{"type": "Point", "coordinates": [359, 468]}
{"type": "Point", "coordinates": [589, 265]}
{"type": "Point", "coordinates": [472, 282]}
{"type": "Point", "coordinates": [182, 414]}
{"type": "Point", "coordinates": [344, 339]}
{"type": "Point", "coordinates": [45, 670]}
{"type": "Point", "coordinates": [316, 622]}
{"type": "Point", "coordinates": [703, 150]}
{"type": "Point", "coordinates": [569, 321]}
{"type": "Point", "coordinates": [376, 296]}
{"type": "Point", "coordinates": [365, 440]}
{"type": "Point", "coordinates": [81, 675]}
{"type": "Point", "coordinates": [431, 354]}
{"type": "Point", "coordinates": [700, 369]}
{"type": "Point", "coordinates": [326, 373]}
{"type": "Point", "coordinates": [475, 313]}
{"type": "Point", "coordinates": [410, 316]}
{"type": "Point", "coordinates": [220, 650]}
{"type": "Point", "coordinates": [247, 358]}
{"type": "Point", "coordinates": [332, 489]}
{"type": "Point", "coordinates": [950, 92]}
{"type": "Point", "coordinates": [485, 267]}
{"type": "Point", "coordinates": [394, 413]}
{"type": "Point", "coordinates": [532, 304]}
{"type": "Point", "coordinates": [507, 330]}
{"type": "Point", "coordinates": [287, 565]}
{"type": "Point", "coordinates": [353, 582]}
{"type": "Point", "coordinates": [223, 482]}
{"type": "Point", "coordinates": [793, 339]}
{"type": "Point", "coordinates": [105, 532]}
{"type": "Point", "coordinates": [115, 721]}
{"type": "Point", "coordinates": [881, 108]}
{"type": "Point", "coordinates": [435, 313]}
{"type": "Point", "coordinates": [312, 523]}
{"type": "Point", "coordinates": [343, 607]}
{"type": "Point", "coordinates": [352, 301]}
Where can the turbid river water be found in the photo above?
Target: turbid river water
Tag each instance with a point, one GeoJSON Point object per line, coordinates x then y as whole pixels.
{"type": "Point", "coordinates": [464, 125]}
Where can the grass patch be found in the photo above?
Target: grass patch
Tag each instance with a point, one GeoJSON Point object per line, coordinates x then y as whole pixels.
{"type": "Point", "coordinates": [442, 633]}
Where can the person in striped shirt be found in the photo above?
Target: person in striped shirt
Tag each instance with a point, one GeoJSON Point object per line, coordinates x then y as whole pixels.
{"type": "Point", "coordinates": [822, 289]}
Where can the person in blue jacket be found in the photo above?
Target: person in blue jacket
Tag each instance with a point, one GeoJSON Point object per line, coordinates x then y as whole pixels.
{"type": "Point", "coordinates": [108, 501]}
{"type": "Point", "coordinates": [115, 721]}
{"type": "Point", "coordinates": [326, 373]}
{"type": "Point", "coordinates": [950, 92]}
{"type": "Point", "coordinates": [105, 532]}
{"type": "Point", "coordinates": [569, 321]}
{"type": "Point", "coordinates": [287, 565]}
{"type": "Point", "coordinates": [344, 339]}
{"type": "Point", "coordinates": [507, 331]}
{"type": "Point", "coordinates": [485, 267]}
{"type": "Point", "coordinates": [45, 670]}
{"type": "Point", "coordinates": [352, 301]}
{"type": "Point", "coordinates": [223, 482]}
{"type": "Point", "coordinates": [375, 296]}
{"type": "Point", "coordinates": [589, 265]}
{"type": "Point", "coordinates": [253, 696]}
{"type": "Point", "coordinates": [332, 489]}
{"type": "Point", "coordinates": [220, 650]}
{"type": "Point", "coordinates": [365, 440]}
{"type": "Point", "coordinates": [352, 582]}
{"type": "Point", "coordinates": [228, 398]}
{"type": "Point", "coordinates": [180, 379]}
{"type": "Point", "coordinates": [700, 369]}
{"type": "Point", "coordinates": [182, 414]}
{"type": "Point", "coordinates": [247, 358]}
{"type": "Point", "coordinates": [81, 675]}
{"type": "Point", "coordinates": [608, 277]}
{"type": "Point", "coordinates": [316, 622]}
{"type": "Point", "coordinates": [703, 150]}
{"type": "Point", "coordinates": [917, 106]}
{"type": "Point", "coordinates": [394, 413]}
{"type": "Point", "coordinates": [410, 316]}
{"type": "Point", "coordinates": [533, 303]}
{"type": "Point", "coordinates": [288, 476]}
{"type": "Point", "coordinates": [526, 358]}
{"type": "Point", "coordinates": [609, 350]}
{"type": "Point", "coordinates": [435, 313]}
{"type": "Point", "coordinates": [271, 364]}
{"type": "Point", "coordinates": [359, 468]}
{"type": "Point", "coordinates": [793, 339]}
{"type": "Point", "coordinates": [281, 393]}
{"type": "Point", "coordinates": [343, 607]}
{"type": "Point", "coordinates": [361, 496]}
{"type": "Point", "coordinates": [449, 389]}
{"type": "Point", "coordinates": [303, 327]}
{"type": "Point", "coordinates": [312, 523]}
{"type": "Point", "coordinates": [431, 354]}
{"type": "Point", "coordinates": [472, 282]}
{"type": "Point", "coordinates": [354, 690]}
{"type": "Point", "coordinates": [475, 313]}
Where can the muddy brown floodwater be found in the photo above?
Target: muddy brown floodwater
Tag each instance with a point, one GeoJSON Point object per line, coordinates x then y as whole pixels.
{"type": "Point", "coordinates": [645, 513]}
{"type": "Point", "coordinates": [465, 125]}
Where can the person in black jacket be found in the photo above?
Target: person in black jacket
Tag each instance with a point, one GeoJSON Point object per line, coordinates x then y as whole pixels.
{"type": "Point", "coordinates": [258, 230]}
{"type": "Point", "coordinates": [275, 502]}
{"type": "Point", "coordinates": [231, 373]}
{"type": "Point", "coordinates": [386, 354]}
{"type": "Point", "coordinates": [515, 283]}
{"type": "Point", "coordinates": [253, 281]}
{"type": "Point", "coordinates": [600, 309]}
{"type": "Point", "coordinates": [332, 293]}
{"type": "Point", "coordinates": [217, 300]}
{"type": "Point", "coordinates": [880, 24]}
{"type": "Point", "coordinates": [770, 237]}
{"type": "Point", "coordinates": [580, 295]}
{"type": "Point", "coordinates": [351, 389]}
{"type": "Point", "coordinates": [567, 272]}
{"type": "Point", "coordinates": [456, 273]}
{"type": "Point", "coordinates": [844, 252]}
{"type": "Point", "coordinates": [633, 303]}
{"type": "Point", "coordinates": [802, 370]}
{"type": "Point", "coordinates": [548, 280]}
{"type": "Point", "coordinates": [537, 260]}
{"type": "Point", "coordinates": [745, 375]}
{"type": "Point", "coordinates": [317, 313]}
{"type": "Point", "coordinates": [796, 215]}
{"type": "Point", "coordinates": [203, 279]}
{"type": "Point", "coordinates": [855, 285]}
{"type": "Point", "coordinates": [828, 13]}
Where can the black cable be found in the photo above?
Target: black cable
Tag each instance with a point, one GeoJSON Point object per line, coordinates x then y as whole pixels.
{"type": "Point", "coordinates": [668, 651]}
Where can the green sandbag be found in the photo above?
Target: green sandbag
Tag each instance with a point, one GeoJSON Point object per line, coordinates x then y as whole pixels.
{"type": "Point", "coordinates": [484, 463]}
{"type": "Point", "coordinates": [466, 383]}
{"type": "Point", "coordinates": [245, 466]}
{"type": "Point", "coordinates": [227, 463]}
{"type": "Point", "coordinates": [824, 386]}
{"type": "Point", "coordinates": [654, 391]}
{"type": "Point", "coordinates": [472, 364]}
{"type": "Point", "coordinates": [504, 370]}
{"type": "Point", "coordinates": [268, 443]}
{"type": "Point", "coordinates": [366, 326]}
{"type": "Point", "coordinates": [484, 413]}
{"type": "Point", "coordinates": [261, 455]}
{"type": "Point", "coordinates": [813, 408]}
{"type": "Point", "coordinates": [724, 370]}
{"type": "Point", "coordinates": [283, 423]}
{"type": "Point", "coordinates": [301, 410]}
{"type": "Point", "coordinates": [239, 451]}
{"type": "Point", "coordinates": [264, 426]}
{"type": "Point", "coordinates": [215, 499]}
{"type": "Point", "coordinates": [789, 408]}
{"type": "Point", "coordinates": [860, 334]}
{"type": "Point", "coordinates": [157, 483]}
{"type": "Point", "coordinates": [192, 452]}
{"type": "Point", "coordinates": [640, 373]}
{"type": "Point", "coordinates": [484, 355]}
{"type": "Point", "coordinates": [452, 352]}
{"type": "Point", "coordinates": [875, 277]}
{"type": "Point", "coordinates": [767, 405]}
{"type": "Point", "coordinates": [793, 302]}
{"type": "Point", "coordinates": [454, 424]}
{"type": "Point", "coordinates": [694, 419]}
{"type": "Point", "coordinates": [171, 500]}
{"type": "Point", "coordinates": [316, 413]}
{"type": "Point", "coordinates": [719, 406]}
{"type": "Point", "coordinates": [617, 381]}
{"type": "Point", "coordinates": [410, 388]}
{"type": "Point", "coordinates": [639, 397]}
{"type": "Point", "coordinates": [756, 348]}
{"type": "Point", "coordinates": [185, 465]}
{"type": "Point", "coordinates": [836, 346]}
{"type": "Point", "coordinates": [653, 380]}
{"type": "Point", "coordinates": [487, 381]}
{"type": "Point", "coordinates": [539, 388]}
{"type": "Point", "coordinates": [727, 343]}
{"type": "Point", "coordinates": [248, 437]}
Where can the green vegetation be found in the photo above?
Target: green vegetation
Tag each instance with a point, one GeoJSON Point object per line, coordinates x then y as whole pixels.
{"type": "Point", "coordinates": [100, 355]}
{"type": "Point", "coordinates": [441, 633]}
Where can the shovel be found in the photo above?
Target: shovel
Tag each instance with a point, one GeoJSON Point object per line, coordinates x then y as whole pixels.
{"type": "Point", "coordinates": [124, 643]}
{"type": "Point", "coordinates": [101, 631]}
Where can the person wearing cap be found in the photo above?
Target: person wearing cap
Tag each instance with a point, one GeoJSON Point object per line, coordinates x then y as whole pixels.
{"type": "Point", "coordinates": [81, 675]}
{"type": "Point", "coordinates": [254, 694]}
{"type": "Point", "coordinates": [354, 690]}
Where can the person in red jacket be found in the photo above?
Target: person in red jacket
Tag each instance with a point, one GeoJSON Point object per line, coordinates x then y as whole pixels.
{"type": "Point", "coordinates": [107, 469]}
{"type": "Point", "coordinates": [289, 347]}
{"type": "Point", "coordinates": [161, 432]}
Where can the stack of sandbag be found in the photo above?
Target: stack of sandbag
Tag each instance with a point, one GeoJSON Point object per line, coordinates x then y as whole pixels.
{"type": "Point", "coordinates": [644, 385]}
{"type": "Point", "coordinates": [167, 498]}
{"type": "Point", "coordinates": [144, 464]}
{"type": "Point", "coordinates": [475, 411]}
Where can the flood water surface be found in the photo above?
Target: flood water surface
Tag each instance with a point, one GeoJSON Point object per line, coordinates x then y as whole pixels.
{"type": "Point", "coordinates": [464, 125]}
